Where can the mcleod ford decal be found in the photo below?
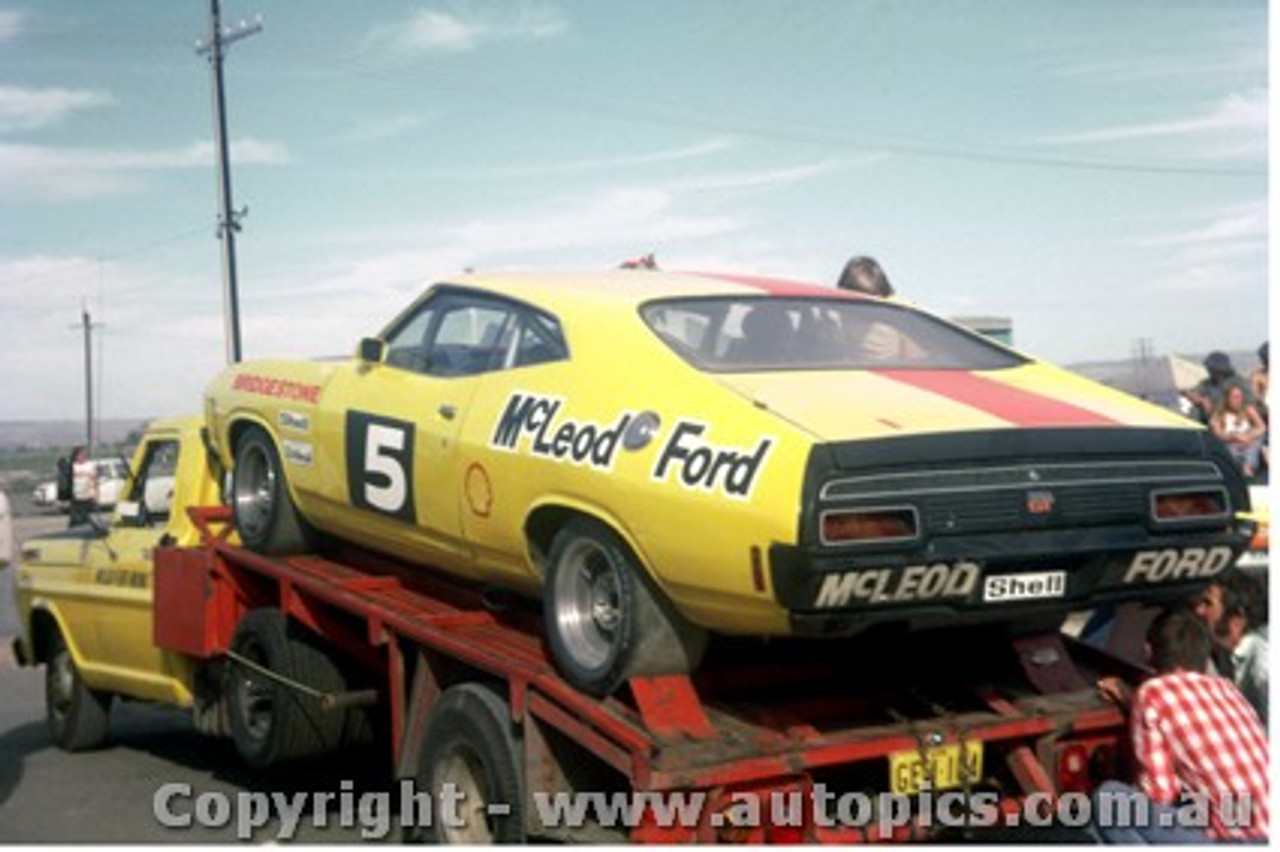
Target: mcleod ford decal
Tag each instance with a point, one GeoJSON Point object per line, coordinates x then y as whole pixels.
{"type": "Point", "coordinates": [538, 425]}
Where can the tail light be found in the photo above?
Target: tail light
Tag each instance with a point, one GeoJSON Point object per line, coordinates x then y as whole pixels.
{"type": "Point", "coordinates": [866, 526]}
{"type": "Point", "coordinates": [1201, 504]}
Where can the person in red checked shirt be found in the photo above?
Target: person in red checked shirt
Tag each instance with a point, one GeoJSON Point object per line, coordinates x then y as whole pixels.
{"type": "Point", "coordinates": [1199, 749]}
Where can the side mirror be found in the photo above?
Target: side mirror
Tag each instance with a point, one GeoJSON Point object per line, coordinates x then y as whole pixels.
{"type": "Point", "coordinates": [371, 350]}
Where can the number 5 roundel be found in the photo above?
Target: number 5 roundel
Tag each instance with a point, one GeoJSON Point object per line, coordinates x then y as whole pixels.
{"type": "Point", "coordinates": [380, 464]}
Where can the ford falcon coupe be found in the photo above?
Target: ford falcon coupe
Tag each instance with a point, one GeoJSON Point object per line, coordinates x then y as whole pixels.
{"type": "Point", "coordinates": [661, 455]}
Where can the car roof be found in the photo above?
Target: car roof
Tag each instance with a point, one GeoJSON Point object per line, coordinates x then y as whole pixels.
{"type": "Point", "coordinates": [636, 286]}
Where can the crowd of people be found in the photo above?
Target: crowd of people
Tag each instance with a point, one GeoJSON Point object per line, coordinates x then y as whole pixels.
{"type": "Point", "coordinates": [1236, 408]}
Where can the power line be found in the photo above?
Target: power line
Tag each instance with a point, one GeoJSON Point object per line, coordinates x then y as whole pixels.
{"type": "Point", "coordinates": [143, 248]}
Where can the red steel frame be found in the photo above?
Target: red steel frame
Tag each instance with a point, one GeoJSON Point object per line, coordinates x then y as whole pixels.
{"type": "Point", "coordinates": [378, 613]}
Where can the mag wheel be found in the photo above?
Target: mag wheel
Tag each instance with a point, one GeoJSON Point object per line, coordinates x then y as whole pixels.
{"type": "Point", "coordinates": [265, 516]}
{"type": "Point", "coordinates": [605, 620]}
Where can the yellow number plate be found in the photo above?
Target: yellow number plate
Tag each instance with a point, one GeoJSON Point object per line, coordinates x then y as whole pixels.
{"type": "Point", "coordinates": [908, 773]}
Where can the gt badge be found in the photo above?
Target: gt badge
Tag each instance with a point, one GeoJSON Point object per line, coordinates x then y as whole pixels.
{"type": "Point", "coordinates": [1040, 502]}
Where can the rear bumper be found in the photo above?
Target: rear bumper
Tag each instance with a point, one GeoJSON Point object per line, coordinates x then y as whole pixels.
{"type": "Point", "coordinates": [1008, 576]}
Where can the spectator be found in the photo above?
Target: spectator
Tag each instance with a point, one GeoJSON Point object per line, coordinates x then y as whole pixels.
{"type": "Point", "coordinates": [84, 486]}
{"type": "Point", "coordinates": [1237, 423]}
{"type": "Point", "coordinates": [880, 341]}
{"type": "Point", "coordinates": [1260, 381]}
{"type": "Point", "coordinates": [1234, 608]}
{"type": "Point", "coordinates": [1195, 738]}
{"type": "Point", "coordinates": [1209, 394]}
{"type": "Point", "coordinates": [864, 275]}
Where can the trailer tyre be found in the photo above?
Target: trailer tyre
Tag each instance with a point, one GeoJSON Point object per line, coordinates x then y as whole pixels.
{"type": "Point", "coordinates": [606, 621]}
{"type": "Point", "coordinates": [471, 745]}
{"type": "Point", "coordinates": [77, 715]}
{"type": "Point", "coordinates": [271, 721]}
{"type": "Point", "coordinates": [265, 515]}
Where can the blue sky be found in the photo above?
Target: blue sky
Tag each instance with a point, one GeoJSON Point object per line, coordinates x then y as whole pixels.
{"type": "Point", "coordinates": [1095, 170]}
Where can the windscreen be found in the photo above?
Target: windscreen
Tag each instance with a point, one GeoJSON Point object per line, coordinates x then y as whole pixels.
{"type": "Point", "coordinates": [726, 334]}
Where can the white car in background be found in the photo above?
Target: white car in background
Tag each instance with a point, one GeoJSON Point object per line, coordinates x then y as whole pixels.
{"type": "Point", "coordinates": [112, 474]}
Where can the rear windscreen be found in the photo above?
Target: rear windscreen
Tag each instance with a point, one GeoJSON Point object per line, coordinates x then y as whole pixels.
{"type": "Point", "coordinates": [726, 334]}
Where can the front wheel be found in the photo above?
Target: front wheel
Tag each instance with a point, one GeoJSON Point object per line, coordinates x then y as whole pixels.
{"type": "Point", "coordinates": [606, 622]}
{"type": "Point", "coordinates": [265, 516]}
{"type": "Point", "coordinates": [77, 715]}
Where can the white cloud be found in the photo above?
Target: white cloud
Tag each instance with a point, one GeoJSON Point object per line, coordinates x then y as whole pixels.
{"type": "Point", "coordinates": [433, 31]}
{"type": "Point", "coordinates": [378, 129]}
{"type": "Point", "coordinates": [24, 108]}
{"type": "Point", "coordinates": [60, 174]}
{"type": "Point", "coordinates": [1110, 72]}
{"type": "Point", "coordinates": [1238, 112]}
{"type": "Point", "coordinates": [12, 25]}
{"type": "Point", "coordinates": [1243, 223]}
{"type": "Point", "coordinates": [1222, 255]}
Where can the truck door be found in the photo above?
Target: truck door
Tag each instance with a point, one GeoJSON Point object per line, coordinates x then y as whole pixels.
{"type": "Point", "coordinates": [125, 575]}
{"type": "Point", "coordinates": [400, 420]}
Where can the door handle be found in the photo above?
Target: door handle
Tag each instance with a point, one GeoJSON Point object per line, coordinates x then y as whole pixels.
{"type": "Point", "coordinates": [448, 412]}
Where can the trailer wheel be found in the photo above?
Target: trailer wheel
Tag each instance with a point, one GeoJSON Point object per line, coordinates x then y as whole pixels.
{"type": "Point", "coordinates": [77, 715]}
{"type": "Point", "coordinates": [265, 515]}
{"type": "Point", "coordinates": [606, 622]}
{"type": "Point", "coordinates": [470, 747]}
{"type": "Point", "coordinates": [272, 721]}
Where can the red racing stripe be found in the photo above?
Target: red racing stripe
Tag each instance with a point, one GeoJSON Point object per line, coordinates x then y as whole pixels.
{"type": "Point", "coordinates": [1016, 405]}
{"type": "Point", "coordinates": [780, 287]}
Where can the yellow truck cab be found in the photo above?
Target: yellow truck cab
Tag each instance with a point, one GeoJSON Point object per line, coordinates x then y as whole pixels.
{"type": "Point", "coordinates": [84, 595]}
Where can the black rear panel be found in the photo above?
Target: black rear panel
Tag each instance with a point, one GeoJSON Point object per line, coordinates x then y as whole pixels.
{"type": "Point", "coordinates": [1009, 522]}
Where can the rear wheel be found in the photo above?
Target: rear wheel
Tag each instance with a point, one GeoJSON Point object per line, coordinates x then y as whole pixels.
{"type": "Point", "coordinates": [265, 515]}
{"type": "Point", "coordinates": [273, 721]}
{"type": "Point", "coordinates": [606, 622]}
{"type": "Point", "coordinates": [77, 715]}
{"type": "Point", "coordinates": [471, 763]}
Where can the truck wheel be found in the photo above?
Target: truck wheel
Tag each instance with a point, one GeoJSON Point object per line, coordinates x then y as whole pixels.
{"type": "Point", "coordinates": [265, 516]}
{"type": "Point", "coordinates": [77, 715]}
{"type": "Point", "coordinates": [273, 721]}
{"type": "Point", "coordinates": [471, 760]}
{"type": "Point", "coordinates": [605, 620]}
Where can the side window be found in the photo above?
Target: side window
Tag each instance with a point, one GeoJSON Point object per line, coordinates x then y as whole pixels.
{"type": "Point", "coordinates": [463, 334]}
{"type": "Point", "coordinates": [471, 337]}
{"type": "Point", "coordinates": [407, 347]}
{"type": "Point", "coordinates": [153, 488]}
{"type": "Point", "coordinates": [540, 341]}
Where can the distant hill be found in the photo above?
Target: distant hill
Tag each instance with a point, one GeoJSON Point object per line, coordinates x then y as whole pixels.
{"type": "Point", "coordinates": [58, 434]}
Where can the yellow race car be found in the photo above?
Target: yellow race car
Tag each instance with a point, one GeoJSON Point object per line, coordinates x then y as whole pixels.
{"type": "Point", "coordinates": [661, 455]}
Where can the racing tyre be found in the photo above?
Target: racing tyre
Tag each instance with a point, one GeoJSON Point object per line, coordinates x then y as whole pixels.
{"type": "Point", "coordinates": [471, 764]}
{"type": "Point", "coordinates": [272, 719]}
{"type": "Point", "coordinates": [265, 516]}
{"type": "Point", "coordinates": [77, 715]}
{"type": "Point", "coordinates": [606, 622]}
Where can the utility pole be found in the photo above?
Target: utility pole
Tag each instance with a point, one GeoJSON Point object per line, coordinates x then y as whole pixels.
{"type": "Point", "coordinates": [87, 325]}
{"type": "Point", "coordinates": [228, 218]}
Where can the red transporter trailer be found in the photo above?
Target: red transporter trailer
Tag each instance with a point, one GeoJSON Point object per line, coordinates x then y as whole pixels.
{"type": "Point", "coordinates": [790, 742]}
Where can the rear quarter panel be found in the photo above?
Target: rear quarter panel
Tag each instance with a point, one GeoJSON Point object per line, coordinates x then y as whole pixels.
{"type": "Point", "coordinates": [694, 534]}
